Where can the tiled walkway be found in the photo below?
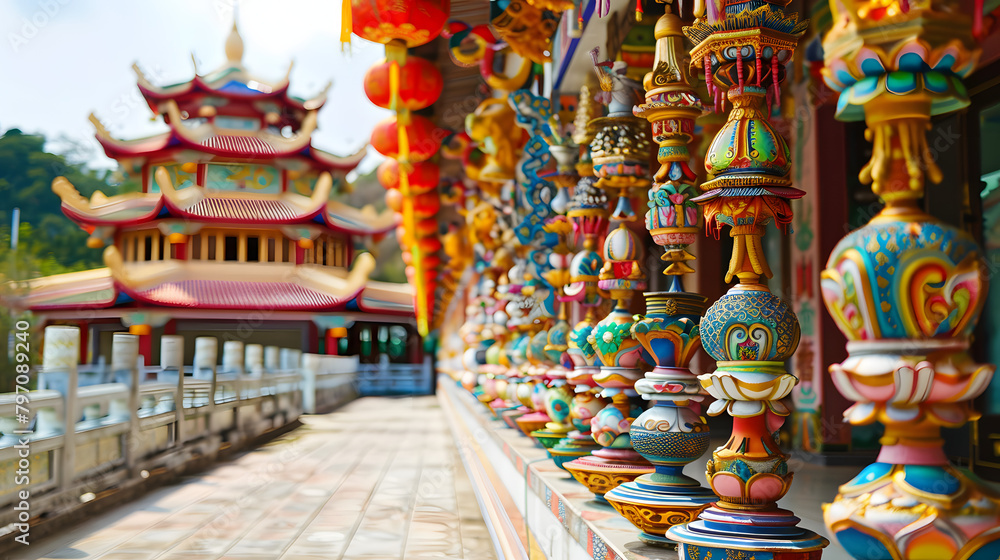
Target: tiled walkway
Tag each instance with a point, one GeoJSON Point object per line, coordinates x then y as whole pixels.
{"type": "Point", "coordinates": [377, 479]}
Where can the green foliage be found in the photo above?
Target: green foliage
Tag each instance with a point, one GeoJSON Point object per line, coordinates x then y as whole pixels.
{"type": "Point", "coordinates": [26, 174]}
{"type": "Point", "coordinates": [48, 242]}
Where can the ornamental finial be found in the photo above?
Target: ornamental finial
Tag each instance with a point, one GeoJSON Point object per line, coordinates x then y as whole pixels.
{"type": "Point", "coordinates": [234, 45]}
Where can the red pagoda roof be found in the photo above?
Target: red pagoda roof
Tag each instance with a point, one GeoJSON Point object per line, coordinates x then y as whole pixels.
{"type": "Point", "coordinates": [162, 285]}
{"type": "Point", "coordinates": [194, 111]}
{"type": "Point", "coordinates": [195, 203]}
{"type": "Point", "coordinates": [232, 82]}
{"type": "Point", "coordinates": [222, 294]}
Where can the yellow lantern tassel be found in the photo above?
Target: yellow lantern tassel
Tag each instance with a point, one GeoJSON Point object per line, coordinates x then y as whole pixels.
{"type": "Point", "coordinates": [346, 25]}
{"type": "Point", "coordinates": [409, 222]}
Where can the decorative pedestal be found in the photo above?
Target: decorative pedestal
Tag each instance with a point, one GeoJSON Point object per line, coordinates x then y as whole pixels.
{"type": "Point", "coordinates": [671, 434]}
{"type": "Point", "coordinates": [557, 406]}
{"type": "Point", "coordinates": [749, 331]}
{"type": "Point", "coordinates": [584, 406]}
{"type": "Point", "coordinates": [907, 290]}
{"type": "Point", "coordinates": [619, 355]}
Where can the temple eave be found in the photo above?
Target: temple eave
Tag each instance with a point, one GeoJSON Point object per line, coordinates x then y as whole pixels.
{"type": "Point", "coordinates": [98, 289]}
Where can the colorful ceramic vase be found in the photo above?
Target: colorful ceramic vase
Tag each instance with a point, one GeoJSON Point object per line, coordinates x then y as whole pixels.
{"type": "Point", "coordinates": [672, 433]}
{"type": "Point", "coordinates": [749, 332]}
{"type": "Point", "coordinates": [907, 290]}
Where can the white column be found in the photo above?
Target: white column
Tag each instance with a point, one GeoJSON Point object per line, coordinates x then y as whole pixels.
{"type": "Point", "coordinates": [172, 361]}
{"type": "Point", "coordinates": [232, 357]}
{"type": "Point", "coordinates": [310, 371]}
{"type": "Point", "coordinates": [255, 360]}
{"type": "Point", "coordinates": [125, 368]}
{"type": "Point", "coordinates": [272, 359]}
{"type": "Point", "coordinates": [61, 349]}
{"type": "Point", "coordinates": [206, 356]}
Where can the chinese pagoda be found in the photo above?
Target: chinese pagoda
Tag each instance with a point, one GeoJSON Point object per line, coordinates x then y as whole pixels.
{"type": "Point", "coordinates": [235, 215]}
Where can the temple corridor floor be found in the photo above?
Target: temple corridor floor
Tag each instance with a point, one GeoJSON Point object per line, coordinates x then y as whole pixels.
{"type": "Point", "coordinates": [378, 479]}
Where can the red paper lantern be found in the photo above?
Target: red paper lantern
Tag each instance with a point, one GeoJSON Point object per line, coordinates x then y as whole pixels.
{"type": "Point", "coordinates": [420, 84]}
{"type": "Point", "coordinates": [429, 245]}
{"type": "Point", "coordinates": [427, 227]}
{"type": "Point", "coordinates": [423, 137]}
{"type": "Point", "coordinates": [414, 22]}
{"type": "Point", "coordinates": [426, 205]}
{"type": "Point", "coordinates": [423, 176]}
{"type": "Point", "coordinates": [430, 275]}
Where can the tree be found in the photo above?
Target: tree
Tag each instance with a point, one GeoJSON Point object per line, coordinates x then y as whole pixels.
{"type": "Point", "coordinates": [48, 242]}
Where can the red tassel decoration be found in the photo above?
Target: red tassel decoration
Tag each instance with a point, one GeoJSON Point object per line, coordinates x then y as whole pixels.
{"type": "Point", "coordinates": [774, 78]}
{"type": "Point", "coordinates": [977, 19]}
{"type": "Point", "coordinates": [708, 75]}
{"type": "Point", "coordinates": [739, 67]}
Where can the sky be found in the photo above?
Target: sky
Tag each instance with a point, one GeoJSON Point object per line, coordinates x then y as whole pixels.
{"type": "Point", "coordinates": [63, 59]}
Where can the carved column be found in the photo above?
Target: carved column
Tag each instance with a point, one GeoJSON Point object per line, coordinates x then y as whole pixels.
{"type": "Point", "coordinates": [672, 433]}
{"type": "Point", "coordinates": [906, 290]}
{"type": "Point", "coordinates": [750, 332]}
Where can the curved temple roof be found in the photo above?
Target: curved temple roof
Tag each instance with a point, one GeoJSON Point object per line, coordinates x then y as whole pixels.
{"type": "Point", "coordinates": [219, 286]}
{"type": "Point", "coordinates": [198, 203]}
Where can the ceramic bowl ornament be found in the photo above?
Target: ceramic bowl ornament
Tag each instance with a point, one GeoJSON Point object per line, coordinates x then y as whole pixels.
{"type": "Point", "coordinates": [907, 291]}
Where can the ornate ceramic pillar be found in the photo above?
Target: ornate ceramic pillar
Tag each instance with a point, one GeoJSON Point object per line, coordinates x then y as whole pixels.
{"type": "Point", "coordinates": [558, 395]}
{"type": "Point", "coordinates": [749, 332]}
{"type": "Point", "coordinates": [588, 212]}
{"type": "Point", "coordinates": [620, 153]}
{"type": "Point", "coordinates": [619, 356]}
{"type": "Point", "coordinates": [907, 290]}
{"type": "Point", "coordinates": [672, 433]}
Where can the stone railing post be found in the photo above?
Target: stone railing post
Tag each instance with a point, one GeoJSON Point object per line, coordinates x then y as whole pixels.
{"type": "Point", "coordinates": [206, 355]}
{"type": "Point", "coordinates": [272, 359]}
{"type": "Point", "coordinates": [61, 348]}
{"type": "Point", "coordinates": [125, 369]}
{"type": "Point", "coordinates": [172, 363]}
{"type": "Point", "coordinates": [254, 360]}
{"type": "Point", "coordinates": [310, 371]}
{"type": "Point", "coordinates": [232, 357]}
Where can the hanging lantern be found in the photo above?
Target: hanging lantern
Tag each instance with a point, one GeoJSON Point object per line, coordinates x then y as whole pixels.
{"type": "Point", "coordinates": [420, 84]}
{"type": "Point", "coordinates": [426, 205]}
{"type": "Point", "coordinates": [424, 228]}
{"type": "Point", "coordinates": [413, 22]}
{"type": "Point", "coordinates": [427, 227]}
{"type": "Point", "coordinates": [404, 84]}
{"type": "Point", "coordinates": [429, 275]}
{"type": "Point", "coordinates": [421, 135]}
{"type": "Point", "coordinates": [423, 175]}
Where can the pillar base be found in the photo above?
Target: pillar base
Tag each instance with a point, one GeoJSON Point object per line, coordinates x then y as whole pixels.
{"type": "Point", "coordinates": [722, 533]}
{"type": "Point", "coordinates": [511, 415]}
{"type": "Point", "coordinates": [571, 448]}
{"type": "Point", "coordinates": [607, 469]}
{"type": "Point", "coordinates": [868, 510]}
{"type": "Point", "coordinates": [654, 506]}
{"type": "Point", "coordinates": [551, 435]}
{"type": "Point", "coordinates": [532, 422]}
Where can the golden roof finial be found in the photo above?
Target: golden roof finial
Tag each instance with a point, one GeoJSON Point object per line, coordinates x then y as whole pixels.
{"type": "Point", "coordinates": [234, 45]}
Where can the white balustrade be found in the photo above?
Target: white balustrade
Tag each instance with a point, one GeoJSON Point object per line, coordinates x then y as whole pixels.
{"type": "Point", "coordinates": [125, 418]}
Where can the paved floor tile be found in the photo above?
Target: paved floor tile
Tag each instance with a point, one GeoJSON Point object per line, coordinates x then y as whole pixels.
{"type": "Point", "coordinates": [377, 479]}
